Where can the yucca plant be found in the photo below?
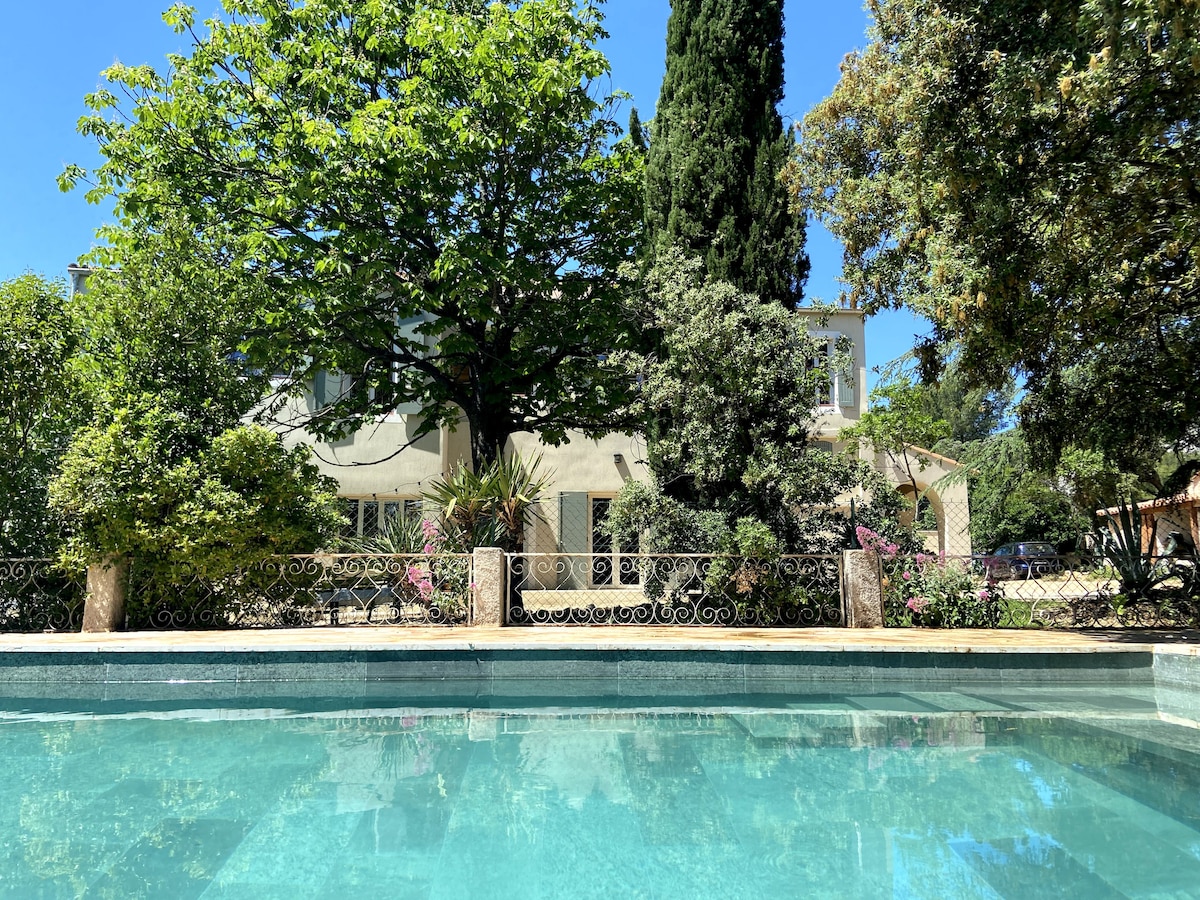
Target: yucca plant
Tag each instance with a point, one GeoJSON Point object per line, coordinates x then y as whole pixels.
{"type": "Point", "coordinates": [490, 508]}
{"type": "Point", "coordinates": [515, 487]}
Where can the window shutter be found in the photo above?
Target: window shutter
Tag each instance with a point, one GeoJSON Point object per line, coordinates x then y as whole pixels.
{"type": "Point", "coordinates": [573, 534]}
{"type": "Point", "coordinates": [319, 388]}
{"type": "Point", "coordinates": [573, 537]}
{"type": "Point", "coordinates": [406, 329]}
{"type": "Point", "coordinates": [845, 379]}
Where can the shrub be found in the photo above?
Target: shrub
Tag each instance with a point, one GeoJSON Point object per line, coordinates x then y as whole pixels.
{"type": "Point", "coordinates": [149, 485]}
{"type": "Point", "coordinates": [930, 590]}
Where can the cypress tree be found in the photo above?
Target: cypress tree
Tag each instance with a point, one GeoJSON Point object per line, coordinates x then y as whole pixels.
{"type": "Point", "coordinates": [718, 145]}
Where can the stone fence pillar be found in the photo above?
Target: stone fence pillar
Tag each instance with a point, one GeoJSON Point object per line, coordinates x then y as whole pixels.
{"type": "Point", "coordinates": [862, 589]}
{"type": "Point", "coordinates": [104, 604]}
{"type": "Point", "coordinates": [491, 579]}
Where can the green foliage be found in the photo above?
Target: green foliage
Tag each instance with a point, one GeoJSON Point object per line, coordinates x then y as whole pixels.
{"type": "Point", "coordinates": [728, 391]}
{"type": "Point", "coordinates": [898, 417]}
{"type": "Point", "coordinates": [490, 508]}
{"type": "Point", "coordinates": [896, 420]}
{"type": "Point", "coordinates": [1178, 476]}
{"type": "Point", "coordinates": [1023, 172]}
{"type": "Point", "coordinates": [39, 408]}
{"type": "Point", "coordinates": [164, 314]}
{"type": "Point", "coordinates": [400, 536]}
{"type": "Point", "coordinates": [718, 145]}
{"type": "Point", "coordinates": [929, 590]}
{"type": "Point", "coordinates": [968, 413]}
{"type": "Point", "coordinates": [432, 197]}
{"type": "Point", "coordinates": [938, 594]}
{"type": "Point", "coordinates": [643, 516]}
{"type": "Point", "coordinates": [150, 484]}
{"type": "Point", "coordinates": [1119, 538]}
{"type": "Point", "coordinates": [1013, 501]}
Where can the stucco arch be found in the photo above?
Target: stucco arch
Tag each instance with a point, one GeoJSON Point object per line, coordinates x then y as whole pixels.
{"type": "Point", "coordinates": [922, 473]}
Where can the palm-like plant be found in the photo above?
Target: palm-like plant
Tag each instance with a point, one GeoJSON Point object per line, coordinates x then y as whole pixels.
{"type": "Point", "coordinates": [401, 536]}
{"type": "Point", "coordinates": [490, 508]}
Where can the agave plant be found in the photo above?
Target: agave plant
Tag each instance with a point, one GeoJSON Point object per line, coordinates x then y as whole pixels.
{"type": "Point", "coordinates": [1120, 541]}
{"type": "Point", "coordinates": [400, 536]}
{"type": "Point", "coordinates": [490, 508]}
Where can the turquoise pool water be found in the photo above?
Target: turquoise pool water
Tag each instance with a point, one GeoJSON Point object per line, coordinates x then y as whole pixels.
{"type": "Point", "coordinates": [954, 792]}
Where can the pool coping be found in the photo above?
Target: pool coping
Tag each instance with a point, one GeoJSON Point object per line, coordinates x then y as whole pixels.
{"type": "Point", "coordinates": [612, 638]}
{"type": "Point", "coordinates": [615, 656]}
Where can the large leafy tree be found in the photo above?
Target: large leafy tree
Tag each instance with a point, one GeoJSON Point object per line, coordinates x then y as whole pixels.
{"type": "Point", "coordinates": [1024, 173]}
{"type": "Point", "coordinates": [718, 145]}
{"type": "Point", "coordinates": [39, 407]}
{"type": "Point", "coordinates": [430, 191]}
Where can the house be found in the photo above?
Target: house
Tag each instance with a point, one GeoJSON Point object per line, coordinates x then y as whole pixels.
{"type": "Point", "coordinates": [376, 483]}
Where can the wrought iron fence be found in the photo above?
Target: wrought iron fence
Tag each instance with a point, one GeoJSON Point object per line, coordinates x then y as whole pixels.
{"type": "Point", "coordinates": [300, 591]}
{"type": "Point", "coordinates": [678, 589]}
{"type": "Point", "coordinates": [36, 596]}
{"type": "Point", "coordinates": [984, 591]}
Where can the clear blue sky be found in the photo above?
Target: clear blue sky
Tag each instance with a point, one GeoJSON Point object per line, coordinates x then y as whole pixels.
{"type": "Point", "coordinates": [51, 54]}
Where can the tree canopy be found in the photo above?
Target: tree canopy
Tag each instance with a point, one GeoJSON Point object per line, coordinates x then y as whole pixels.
{"type": "Point", "coordinates": [39, 407]}
{"type": "Point", "coordinates": [432, 194]}
{"type": "Point", "coordinates": [1023, 172]}
{"type": "Point", "coordinates": [718, 145]}
{"type": "Point", "coordinates": [730, 391]}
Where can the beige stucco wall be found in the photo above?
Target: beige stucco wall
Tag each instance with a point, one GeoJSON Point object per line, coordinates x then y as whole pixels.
{"type": "Point", "coordinates": [949, 500]}
{"type": "Point", "coordinates": [588, 465]}
{"type": "Point", "coordinates": [367, 463]}
{"type": "Point", "coordinates": [832, 419]}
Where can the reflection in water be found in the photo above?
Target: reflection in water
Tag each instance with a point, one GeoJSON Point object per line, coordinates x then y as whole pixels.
{"type": "Point", "coordinates": [908, 794]}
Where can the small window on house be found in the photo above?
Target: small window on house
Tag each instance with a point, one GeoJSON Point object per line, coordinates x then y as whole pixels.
{"type": "Point", "coordinates": [350, 510]}
{"type": "Point", "coordinates": [838, 388]}
{"type": "Point", "coordinates": [371, 516]}
{"type": "Point", "coordinates": [824, 387]}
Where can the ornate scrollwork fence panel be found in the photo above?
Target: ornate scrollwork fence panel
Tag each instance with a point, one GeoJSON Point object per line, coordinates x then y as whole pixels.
{"type": "Point", "coordinates": [35, 596]}
{"type": "Point", "coordinates": [1046, 591]}
{"type": "Point", "coordinates": [315, 590]}
{"type": "Point", "coordinates": [674, 589]}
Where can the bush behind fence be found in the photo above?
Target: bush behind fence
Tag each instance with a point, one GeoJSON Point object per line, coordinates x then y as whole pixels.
{"type": "Point", "coordinates": [1064, 591]}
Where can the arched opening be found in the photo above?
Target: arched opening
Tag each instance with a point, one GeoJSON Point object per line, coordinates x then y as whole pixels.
{"type": "Point", "coordinates": [924, 512]}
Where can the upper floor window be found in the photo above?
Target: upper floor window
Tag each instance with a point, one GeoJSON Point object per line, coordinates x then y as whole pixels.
{"type": "Point", "coordinates": [838, 389]}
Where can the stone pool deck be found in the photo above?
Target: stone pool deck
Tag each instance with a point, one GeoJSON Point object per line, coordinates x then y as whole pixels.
{"type": "Point", "coordinates": [612, 638]}
{"type": "Point", "coordinates": [619, 659]}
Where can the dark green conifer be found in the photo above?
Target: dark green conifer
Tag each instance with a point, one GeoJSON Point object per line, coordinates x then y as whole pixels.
{"type": "Point", "coordinates": [718, 145]}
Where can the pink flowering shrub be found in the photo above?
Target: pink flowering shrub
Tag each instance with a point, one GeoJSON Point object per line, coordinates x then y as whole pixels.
{"type": "Point", "coordinates": [869, 540]}
{"type": "Point", "coordinates": [437, 580]}
{"type": "Point", "coordinates": [930, 590]}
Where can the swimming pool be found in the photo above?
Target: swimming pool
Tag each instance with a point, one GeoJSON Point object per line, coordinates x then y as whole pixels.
{"type": "Point", "coordinates": [393, 789]}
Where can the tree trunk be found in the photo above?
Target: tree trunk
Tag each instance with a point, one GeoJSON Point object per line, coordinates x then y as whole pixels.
{"type": "Point", "coordinates": [489, 434]}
